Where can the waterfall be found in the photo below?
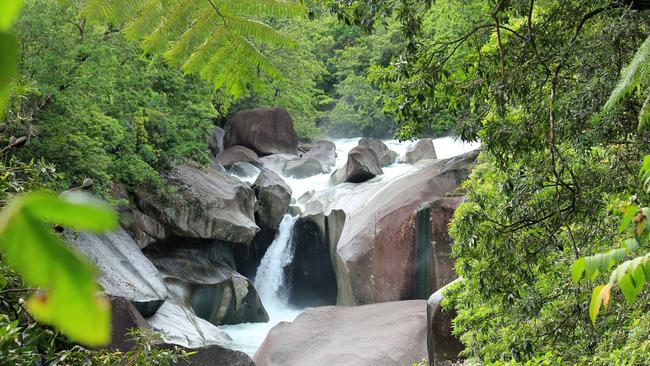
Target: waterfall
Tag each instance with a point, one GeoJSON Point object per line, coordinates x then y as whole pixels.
{"type": "Point", "coordinates": [270, 281]}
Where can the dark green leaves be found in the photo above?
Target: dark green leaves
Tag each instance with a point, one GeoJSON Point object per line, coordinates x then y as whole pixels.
{"type": "Point", "coordinates": [70, 299]}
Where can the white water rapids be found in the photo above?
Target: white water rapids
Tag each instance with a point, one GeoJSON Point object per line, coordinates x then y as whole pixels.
{"type": "Point", "coordinates": [270, 282]}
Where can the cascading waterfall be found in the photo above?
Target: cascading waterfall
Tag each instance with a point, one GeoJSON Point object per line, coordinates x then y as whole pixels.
{"type": "Point", "coordinates": [270, 280]}
{"type": "Point", "coordinates": [270, 285]}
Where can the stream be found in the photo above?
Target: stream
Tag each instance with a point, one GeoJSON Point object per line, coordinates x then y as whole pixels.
{"type": "Point", "coordinates": [270, 282]}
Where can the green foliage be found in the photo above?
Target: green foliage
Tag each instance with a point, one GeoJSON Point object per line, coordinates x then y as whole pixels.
{"type": "Point", "coordinates": [70, 300]}
{"type": "Point", "coordinates": [144, 353]}
{"type": "Point", "coordinates": [631, 275]}
{"type": "Point", "coordinates": [221, 40]}
{"type": "Point", "coordinates": [635, 80]}
{"type": "Point", "coordinates": [9, 48]}
{"type": "Point", "coordinates": [95, 107]}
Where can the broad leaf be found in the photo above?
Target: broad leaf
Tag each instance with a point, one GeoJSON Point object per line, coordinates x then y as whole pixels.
{"type": "Point", "coordinates": [598, 296]}
{"type": "Point", "coordinates": [629, 212]}
{"type": "Point", "coordinates": [70, 297]}
{"type": "Point", "coordinates": [8, 66]}
{"type": "Point", "coordinates": [9, 13]}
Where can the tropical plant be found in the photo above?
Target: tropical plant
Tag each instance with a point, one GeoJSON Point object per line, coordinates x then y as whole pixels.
{"type": "Point", "coordinates": [223, 41]}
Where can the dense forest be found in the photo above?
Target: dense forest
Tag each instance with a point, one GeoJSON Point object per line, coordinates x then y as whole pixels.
{"type": "Point", "coordinates": [550, 241]}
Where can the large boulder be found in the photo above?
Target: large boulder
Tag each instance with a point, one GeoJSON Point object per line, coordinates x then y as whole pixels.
{"type": "Point", "coordinates": [214, 355]}
{"type": "Point", "coordinates": [421, 150]}
{"type": "Point", "coordinates": [201, 276]}
{"type": "Point", "coordinates": [443, 347]}
{"type": "Point", "coordinates": [246, 172]}
{"type": "Point", "coordinates": [264, 130]}
{"type": "Point", "coordinates": [236, 154]}
{"type": "Point", "coordinates": [277, 162]}
{"type": "Point", "coordinates": [388, 334]}
{"type": "Point", "coordinates": [323, 151]}
{"type": "Point", "coordinates": [180, 326]}
{"type": "Point", "coordinates": [362, 165]}
{"type": "Point", "coordinates": [209, 205]}
{"type": "Point", "coordinates": [303, 168]}
{"type": "Point", "coordinates": [125, 272]}
{"type": "Point", "coordinates": [273, 199]}
{"type": "Point", "coordinates": [124, 318]}
{"type": "Point", "coordinates": [215, 141]}
{"type": "Point", "coordinates": [385, 156]}
{"type": "Point", "coordinates": [374, 246]}
{"type": "Point", "coordinates": [434, 268]}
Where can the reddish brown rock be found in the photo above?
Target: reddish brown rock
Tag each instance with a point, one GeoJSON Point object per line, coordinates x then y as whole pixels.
{"type": "Point", "coordinates": [374, 251]}
{"type": "Point", "coordinates": [265, 130]}
{"type": "Point", "coordinates": [388, 334]}
{"type": "Point", "coordinates": [443, 347]}
{"type": "Point", "coordinates": [421, 150]}
{"type": "Point", "coordinates": [362, 165]}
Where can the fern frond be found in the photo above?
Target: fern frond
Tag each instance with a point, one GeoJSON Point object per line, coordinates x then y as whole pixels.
{"type": "Point", "coordinates": [633, 75]}
{"type": "Point", "coordinates": [173, 26]}
{"type": "Point", "coordinates": [271, 8]}
{"type": "Point", "coordinates": [221, 40]}
{"type": "Point", "coordinates": [258, 31]}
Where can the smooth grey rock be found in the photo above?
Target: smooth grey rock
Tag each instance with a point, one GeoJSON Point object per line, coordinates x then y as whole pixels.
{"type": "Point", "coordinates": [264, 130]}
{"type": "Point", "coordinates": [201, 276]}
{"type": "Point", "coordinates": [443, 347]}
{"type": "Point", "coordinates": [214, 355]}
{"type": "Point", "coordinates": [124, 317]}
{"type": "Point", "coordinates": [124, 271]}
{"type": "Point", "coordinates": [323, 151]}
{"type": "Point", "coordinates": [303, 168]}
{"type": "Point", "coordinates": [246, 171]}
{"type": "Point", "coordinates": [277, 162]}
{"type": "Point", "coordinates": [388, 334]}
{"type": "Point", "coordinates": [421, 150]}
{"type": "Point", "coordinates": [235, 154]}
{"type": "Point", "coordinates": [209, 205]}
{"type": "Point", "coordinates": [273, 199]}
{"type": "Point", "coordinates": [385, 156]}
{"type": "Point", "coordinates": [215, 141]}
{"type": "Point", "coordinates": [178, 325]}
{"type": "Point", "coordinates": [362, 165]}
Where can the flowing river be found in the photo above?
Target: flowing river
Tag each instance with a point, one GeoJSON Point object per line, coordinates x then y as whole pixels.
{"type": "Point", "coordinates": [270, 282]}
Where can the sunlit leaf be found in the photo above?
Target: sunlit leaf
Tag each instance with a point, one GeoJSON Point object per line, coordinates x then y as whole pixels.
{"type": "Point", "coordinates": [577, 269]}
{"type": "Point", "coordinates": [8, 66]}
{"type": "Point", "coordinates": [598, 295]}
{"type": "Point", "coordinates": [70, 297]}
{"type": "Point", "coordinates": [9, 13]}
{"type": "Point", "coordinates": [78, 211]}
{"type": "Point", "coordinates": [629, 212]}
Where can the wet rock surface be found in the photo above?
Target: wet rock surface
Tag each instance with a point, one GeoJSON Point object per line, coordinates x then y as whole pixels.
{"type": "Point", "coordinates": [201, 276]}
{"type": "Point", "coordinates": [421, 150]}
{"type": "Point", "coordinates": [265, 131]}
{"type": "Point", "coordinates": [388, 334]}
{"type": "Point", "coordinates": [323, 151]}
{"type": "Point", "coordinates": [385, 156]}
{"type": "Point", "coordinates": [236, 154]}
{"type": "Point", "coordinates": [362, 165]}
{"type": "Point", "coordinates": [443, 347]}
{"type": "Point", "coordinates": [209, 205]}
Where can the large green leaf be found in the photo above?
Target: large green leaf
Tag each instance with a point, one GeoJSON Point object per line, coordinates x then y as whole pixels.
{"type": "Point", "coordinates": [8, 65]}
{"type": "Point", "coordinates": [9, 12]}
{"type": "Point", "coordinates": [70, 298]}
{"type": "Point", "coordinates": [599, 296]}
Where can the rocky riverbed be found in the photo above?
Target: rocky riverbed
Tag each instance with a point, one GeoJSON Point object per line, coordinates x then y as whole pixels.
{"type": "Point", "coordinates": [270, 230]}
